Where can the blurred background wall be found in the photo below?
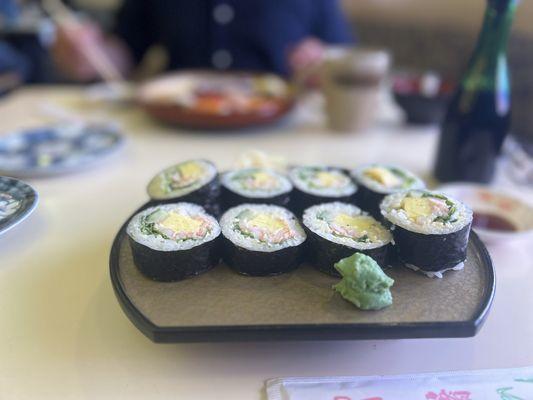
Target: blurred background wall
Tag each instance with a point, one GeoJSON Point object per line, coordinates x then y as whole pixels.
{"type": "Point", "coordinates": [465, 14]}
{"type": "Point", "coordinates": [461, 14]}
{"type": "Point", "coordinates": [440, 35]}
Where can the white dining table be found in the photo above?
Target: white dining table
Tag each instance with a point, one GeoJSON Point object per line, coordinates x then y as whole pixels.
{"type": "Point", "coordinates": [63, 334]}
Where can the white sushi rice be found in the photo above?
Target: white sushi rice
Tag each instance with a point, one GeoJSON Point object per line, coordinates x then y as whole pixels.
{"type": "Point", "coordinates": [392, 211]}
{"type": "Point", "coordinates": [436, 274]}
{"type": "Point", "coordinates": [228, 179]}
{"type": "Point", "coordinates": [231, 217]}
{"type": "Point", "coordinates": [159, 189]}
{"type": "Point", "coordinates": [322, 228]}
{"type": "Point", "coordinates": [303, 185]}
{"type": "Point", "coordinates": [359, 175]}
{"type": "Point", "coordinates": [157, 242]}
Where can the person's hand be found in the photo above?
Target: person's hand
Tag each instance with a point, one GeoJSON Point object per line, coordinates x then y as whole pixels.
{"type": "Point", "coordinates": [68, 49]}
{"type": "Point", "coordinates": [9, 81]}
{"type": "Point", "coordinates": [304, 60]}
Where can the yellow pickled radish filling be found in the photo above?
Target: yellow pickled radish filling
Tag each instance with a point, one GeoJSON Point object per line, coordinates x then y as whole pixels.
{"type": "Point", "coordinates": [191, 170]}
{"type": "Point", "coordinates": [267, 228]}
{"type": "Point", "coordinates": [180, 222]}
{"type": "Point", "coordinates": [268, 222]}
{"type": "Point", "coordinates": [260, 180]}
{"type": "Point", "coordinates": [354, 226]}
{"type": "Point", "coordinates": [383, 176]}
{"type": "Point", "coordinates": [328, 179]}
{"type": "Point", "coordinates": [322, 181]}
{"type": "Point", "coordinates": [188, 173]}
{"type": "Point", "coordinates": [417, 207]}
{"type": "Point", "coordinates": [356, 222]}
{"type": "Point", "coordinates": [182, 226]}
{"type": "Point", "coordinates": [421, 208]}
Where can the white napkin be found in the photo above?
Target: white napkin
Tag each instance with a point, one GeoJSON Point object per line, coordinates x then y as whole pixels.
{"type": "Point", "coordinates": [505, 384]}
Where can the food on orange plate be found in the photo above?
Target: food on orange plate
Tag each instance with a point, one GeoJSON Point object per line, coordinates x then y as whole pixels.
{"type": "Point", "coordinates": [223, 94]}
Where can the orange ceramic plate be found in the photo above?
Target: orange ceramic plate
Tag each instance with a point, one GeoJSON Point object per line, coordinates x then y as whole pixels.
{"type": "Point", "coordinates": [217, 100]}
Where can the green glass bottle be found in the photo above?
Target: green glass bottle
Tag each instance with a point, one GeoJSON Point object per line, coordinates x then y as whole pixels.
{"type": "Point", "coordinates": [479, 114]}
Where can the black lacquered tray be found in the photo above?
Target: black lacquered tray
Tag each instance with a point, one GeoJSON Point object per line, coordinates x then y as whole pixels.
{"type": "Point", "coordinates": [222, 305]}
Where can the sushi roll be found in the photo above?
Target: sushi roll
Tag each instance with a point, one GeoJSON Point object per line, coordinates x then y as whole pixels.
{"type": "Point", "coordinates": [316, 185]}
{"type": "Point", "coordinates": [192, 181]}
{"type": "Point", "coordinates": [375, 181]}
{"type": "Point", "coordinates": [261, 240]}
{"type": "Point", "coordinates": [430, 230]}
{"type": "Point", "coordinates": [255, 185]}
{"type": "Point", "coordinates": [172, 242]}
{"type": "Point", "coordinates": [338, 230]}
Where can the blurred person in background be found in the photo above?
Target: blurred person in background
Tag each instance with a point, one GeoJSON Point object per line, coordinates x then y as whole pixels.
{"type": "Point", "coordinates": [260, 35]}
{"type": "Point", "coordinates": [23, 38]}
{"type": "Point", "coordinates": [13, 64]}
{"type": "Point", "coordinates": [14, 67]}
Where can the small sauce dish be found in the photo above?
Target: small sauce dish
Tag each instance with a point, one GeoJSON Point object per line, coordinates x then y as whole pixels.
{"type": "Point", "coordinates": [423, 97]}
{"type": "Point", "coordinates": [500, 215]}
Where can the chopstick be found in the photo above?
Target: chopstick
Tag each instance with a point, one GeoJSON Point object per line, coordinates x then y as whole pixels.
{"type": "Point", "coordinates": [62, 16]}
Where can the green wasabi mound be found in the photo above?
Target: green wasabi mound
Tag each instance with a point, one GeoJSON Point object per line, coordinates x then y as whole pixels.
{"type": "Point", "coordinates": [363, 282]}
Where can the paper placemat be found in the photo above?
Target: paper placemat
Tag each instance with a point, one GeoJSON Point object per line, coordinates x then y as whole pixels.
{"type": "Point", "coordinates": [504, 384]}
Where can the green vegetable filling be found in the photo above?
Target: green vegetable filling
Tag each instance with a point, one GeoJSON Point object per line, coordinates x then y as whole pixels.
{"type": "Point", "coordinates": [451, 208]}
{"type": "Point", "coordinates": [169, 185]}
{"type": "Point", "coordinates": [148, 224]}
{"type": "Point", "coordinates": [323, 216]}
{"type": "Point", "coordinates": [408, 180]}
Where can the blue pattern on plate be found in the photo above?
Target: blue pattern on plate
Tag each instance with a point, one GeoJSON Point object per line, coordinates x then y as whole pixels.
{"type": "Point", "coordinates": [17, 201]}
{"type": "Point", "coordinates": [56, 149]}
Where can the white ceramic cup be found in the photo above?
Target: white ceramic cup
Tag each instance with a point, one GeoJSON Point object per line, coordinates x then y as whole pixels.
{"type": "Point", "coordinates": [352, 79]}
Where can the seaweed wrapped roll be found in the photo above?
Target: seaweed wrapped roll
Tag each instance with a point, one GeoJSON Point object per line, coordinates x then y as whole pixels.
{"type": "Point", "coordinates": [171, 242]}
{"type": "Point", "coordinates": [316, 185]}
{"type": "Point", "coordinates": [193, 181]}
{"type": "Point", "coordinates": [338, 230]}
{"type": "Point", "coordinates": [255, 185]}
{"type": "Point", "coordinates": [430, 230]}
{"type": "Point", "coordinates": [261, 239]}
{"type": "Point", "coordinates": [375, 181]}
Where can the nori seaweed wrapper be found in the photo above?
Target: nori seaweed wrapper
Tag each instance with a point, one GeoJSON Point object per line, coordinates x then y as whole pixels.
{"type": "Point", "coordinates": [207, 196]}
{"type": "Point", "coordinates": [231, 199]}
{"type": "Point", "coordinates": [261, 263]}
{"type": "Point", "coordinates": [300, 201]}
{"type": "Point", "coordinates": [369, 201]}
{"type": "Point", "coordinates": [169, 266]}
{"type": "Point", "coordinates": [213, 208]}
{"type": "Point", "coordinates": [431, 252]}
{"type": "Point", "coordinates": [323, 254]}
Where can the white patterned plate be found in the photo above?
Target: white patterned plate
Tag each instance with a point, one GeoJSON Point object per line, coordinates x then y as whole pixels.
{"type": "Point", "coordinates": [17, 201]}
{"type": "Point", "coordinates": [57, 149]}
